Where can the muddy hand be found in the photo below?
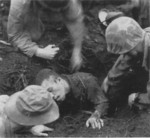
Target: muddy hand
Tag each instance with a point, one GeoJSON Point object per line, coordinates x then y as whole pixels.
{"type": "Point", "coordinates": [95, 123]}
{"type": "Point", "coordinates": [39, 129]}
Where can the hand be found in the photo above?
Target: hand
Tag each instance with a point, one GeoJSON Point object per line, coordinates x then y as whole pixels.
{"type": "Point", "coordinates": [76, 60]}
{"type": "Point", "coordinates": [95, 122]}
{"type": "Point", "coordinates": [39, 129]}
{"type": "Point", "coordinates": [131, 99]}
{"type": "Point", "coordinates": [48, 52]}
{"type": "Point", "coordinates": [105, 85]}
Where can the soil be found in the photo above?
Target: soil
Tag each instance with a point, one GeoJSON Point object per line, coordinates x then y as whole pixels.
{"type": "Point", "coordinates": [17, 71]}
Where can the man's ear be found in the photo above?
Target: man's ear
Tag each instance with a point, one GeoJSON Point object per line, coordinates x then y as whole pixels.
{"type": "Point", "coordinates": [50, 89]}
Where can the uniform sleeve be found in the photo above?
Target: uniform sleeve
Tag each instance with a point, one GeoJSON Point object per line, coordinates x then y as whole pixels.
{"type": "Point", "coordinates": [17, 34]}
{"type": "Point", "coordinates": [97, 97]}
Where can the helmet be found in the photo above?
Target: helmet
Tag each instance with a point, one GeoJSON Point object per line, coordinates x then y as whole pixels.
{"type": "Point", "coordinates": [53, 4]}
{"type": "Point", "coordinates": [123, 34]}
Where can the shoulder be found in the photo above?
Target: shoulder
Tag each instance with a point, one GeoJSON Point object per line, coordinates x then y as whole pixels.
{"type": "Point", "coordinates": [86, 77]}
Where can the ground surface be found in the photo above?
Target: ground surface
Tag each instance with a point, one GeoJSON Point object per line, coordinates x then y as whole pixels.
{"type": "Point", "coordinates": [17, 71]}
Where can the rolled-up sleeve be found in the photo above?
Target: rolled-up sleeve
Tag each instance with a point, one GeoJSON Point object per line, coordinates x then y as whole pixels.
{"type": "Point", "coordinates": [18, 36]}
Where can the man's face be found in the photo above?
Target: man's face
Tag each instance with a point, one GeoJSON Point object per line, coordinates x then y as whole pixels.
{"type": "Point", "coordinates": [56, 86]}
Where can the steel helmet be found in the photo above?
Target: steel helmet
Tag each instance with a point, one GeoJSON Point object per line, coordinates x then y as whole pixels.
{"type": "Point", "coordinates": [123, 34]}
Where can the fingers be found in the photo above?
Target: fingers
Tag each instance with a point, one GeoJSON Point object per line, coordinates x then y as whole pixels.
{"type": "Point", "coordinates": [54, 47]}
{"type": "Point", "coordinates": [42, 134]}
{"type": "Point", "coordinates": [87, 123]}
{"type": "Point", "coordinates": [48, 129]}
{"type": "Point", "coordinates": [39, 129]}
{"type": "Point", "coordinates": [100, 123]}
{"type": "Point", "coordinates": [95, 123]}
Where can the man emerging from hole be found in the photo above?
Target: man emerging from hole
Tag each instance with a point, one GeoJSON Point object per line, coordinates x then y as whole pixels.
{"type": "Point", "coordinates": [78, 91]}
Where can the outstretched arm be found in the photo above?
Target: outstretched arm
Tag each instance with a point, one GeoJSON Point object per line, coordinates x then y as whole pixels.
{"type": "Point", "coordinates": [98, 98]}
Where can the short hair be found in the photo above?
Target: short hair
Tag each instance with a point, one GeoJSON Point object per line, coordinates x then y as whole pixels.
{"type": "Point", "coordinates": [43, 75]}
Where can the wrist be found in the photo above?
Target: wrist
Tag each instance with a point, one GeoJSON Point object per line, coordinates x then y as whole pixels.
{"type": "Point", "coordinates": [96, 115]}
{"type": "Point", "coordinates": [39, 52]}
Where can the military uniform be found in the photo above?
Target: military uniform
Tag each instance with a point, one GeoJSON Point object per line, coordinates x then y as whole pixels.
{"type": "Point", "coordinates": [85, 92]}
{"type": "Point", "coordinates": [130, 73]}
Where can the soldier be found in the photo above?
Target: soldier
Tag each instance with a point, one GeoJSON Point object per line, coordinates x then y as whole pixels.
{"type": "Point", "coordinates": [28, 109]}
{"type": "Point", "coordinates": [25, 26]}
{"type": "Point", "coordinates": [129, 74]}
{"type": "Point", "coordinates": [76, 91]}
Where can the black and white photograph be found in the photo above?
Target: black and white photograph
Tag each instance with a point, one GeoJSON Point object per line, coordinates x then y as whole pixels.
{"type": "Point", "coordinates": [74, 68]}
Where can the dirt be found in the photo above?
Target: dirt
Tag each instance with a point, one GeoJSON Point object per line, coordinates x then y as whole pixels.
{"type": "Point", "coordinates": [18, 71]}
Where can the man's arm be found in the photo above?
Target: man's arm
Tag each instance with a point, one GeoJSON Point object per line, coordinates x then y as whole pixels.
{"type": "Point", "coordinates": [73, 18]}
{"type": "Point", "coordinates": [17, 34]}
{"type": "Point", "coordinates": [18, 31]}
{"type": "Point", "coordinates": [98, 98]}
{"type": "Point", "coordinates": [115, 83]}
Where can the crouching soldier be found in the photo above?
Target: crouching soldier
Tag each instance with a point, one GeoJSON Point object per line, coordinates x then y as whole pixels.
{"type": "Point", "coordinates": [28, 109]}
{"type": "Point", "coordinates": [129, 74]}
{"type": "Point", "coordinates": [25, 26]}
{"type": "Point", "coordinates": [76, 90]}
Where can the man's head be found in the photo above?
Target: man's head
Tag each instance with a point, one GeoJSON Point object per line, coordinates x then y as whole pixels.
{"type": "Point", "coordinates": [53, 4]}
{"type": "Point", "coordinates": [31, 106]}
{"type": "Point", "coordinates": [123, 35]}
{"type": "Point", "coordinates": [55, 84]}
